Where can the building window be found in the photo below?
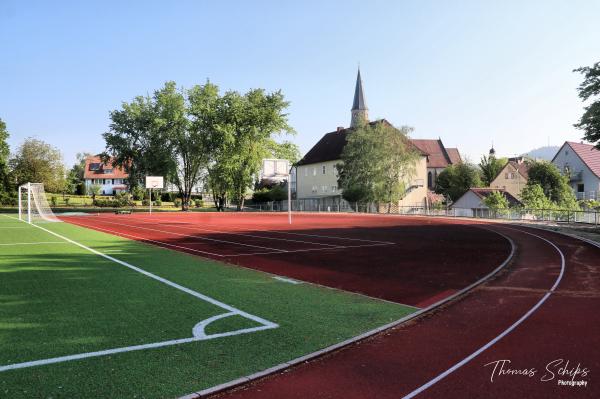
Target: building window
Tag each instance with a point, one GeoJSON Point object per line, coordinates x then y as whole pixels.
{"type": "Point", "coordinates": [314, 171]}
{"type": "Point", "coordinates": [580, 188]}
{"type": "Point", "coordinates": [333, 189]}
{"type": "Point", "coordinates": [94, 166]}
{"type": "Point", "coordinates": [314, 189]}
{"type": "Point", "coordinates": [305, 171]}
{"type": "Point", "coordinates": [429, 180]}
{"type": "Point", "coordinates": [324, 189]}
{"type": "Point", "coordinates": [107, 171]}
{"type": "Point", "coordinates": [324, 169]}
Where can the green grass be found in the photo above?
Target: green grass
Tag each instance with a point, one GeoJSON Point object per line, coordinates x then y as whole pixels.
{"type": "Point", "coordinates": [59, 299]}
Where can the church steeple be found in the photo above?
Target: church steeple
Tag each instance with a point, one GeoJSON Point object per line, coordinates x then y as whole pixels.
{"type": "Point", "coordinates": [360, 112]}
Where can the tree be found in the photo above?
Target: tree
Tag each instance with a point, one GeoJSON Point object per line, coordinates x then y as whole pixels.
{"type": "Point", "coordinates": [378, 164]}
{"type": "Point", "coordinates": [93, 190]}
{"type": "Point", "coordinates": [533, 197]}
{"type": "Point", "coordinates": [286, 150]}
{"type": "Point", "coordinates": [589, 88]}
{"type": "Point", "coordinates": [496, 201]}
{"type": "Point", "coordinates": [38, 162]}
{"type": "Point", "coordinates": [4, 158]}
{"type": "Point", "coordinates": [457, 179]}
{"type": "Point", "coordinates": [75, 177]}
{"type": "Point", "coordinates": [554, 185]}
{"type": "Point", "coordinates": [490, 167]}
{"type": "Point", "coordinates": [240, 132]}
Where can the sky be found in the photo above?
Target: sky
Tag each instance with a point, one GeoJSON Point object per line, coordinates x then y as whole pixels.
{"type": "Point", "coordinates": [472, 73]}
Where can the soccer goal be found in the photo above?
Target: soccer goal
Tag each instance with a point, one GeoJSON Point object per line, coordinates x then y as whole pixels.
{"type": "Point", "coordinates": [33, 205]}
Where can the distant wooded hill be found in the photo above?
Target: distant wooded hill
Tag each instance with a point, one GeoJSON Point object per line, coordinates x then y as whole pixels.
{"type": "Point", "coordinates": [547, 152]}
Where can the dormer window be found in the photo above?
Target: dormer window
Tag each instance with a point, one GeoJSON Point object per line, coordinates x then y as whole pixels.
{"type": "Point", "coordinates": [107, 171]}
{"type": "Point", "coordinates": [95, 166]}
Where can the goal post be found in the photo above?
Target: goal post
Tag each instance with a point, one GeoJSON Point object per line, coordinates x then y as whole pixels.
{"type": "Point", "coordinates": [33, 204]}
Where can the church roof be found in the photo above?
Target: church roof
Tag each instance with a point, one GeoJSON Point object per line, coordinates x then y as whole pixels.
{"type": "Point", "coordinates": [439, 156]}
{"type": "Point", "coordinates": [331, 145]}
{"type": "Point", "coordinates": [359, 95]}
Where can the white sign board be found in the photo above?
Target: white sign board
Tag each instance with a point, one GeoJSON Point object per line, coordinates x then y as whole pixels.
{"type": "Point", "coordinates": [154, 182]}
{"type": "Point", "coordinates": [275, 167]}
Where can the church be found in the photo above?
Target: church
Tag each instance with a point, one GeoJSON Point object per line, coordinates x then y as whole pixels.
{"type": "Point", "coordinates": [316, 173]}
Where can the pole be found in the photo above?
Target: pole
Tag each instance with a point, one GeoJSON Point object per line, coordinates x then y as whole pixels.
{"type": "Point", "coordinates": [29, 203]}
{"type": "Point", "coordinates": [20, 204]}
{"type": "Point", "coordinates": [289, 184]}
{"type": "Point", "coordinates": [150, 200]}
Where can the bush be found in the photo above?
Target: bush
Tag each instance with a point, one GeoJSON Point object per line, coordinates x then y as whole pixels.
{"type": "Point", "coordinates": [158, 202]}
{"type": "Point", "coordinates": [9, 198]}
{"type": "Point", "coordinates": [138, 193]}
{"type": "Point", "coordinates": [67, 199]}
{"type": "Point", "coordinates": [145, 202]}
{"type": "Point", "coordinates": [168, 197]}
{"type": "Point", "coordinates": [198, 203]}
{"type": "Point", "coordinates": [53, 200]}
{"type": "Point", "coordinates": [177, 202]}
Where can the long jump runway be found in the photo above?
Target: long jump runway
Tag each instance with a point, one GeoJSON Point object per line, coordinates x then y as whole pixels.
{"type": "Point", "coordinates": [532, 332]}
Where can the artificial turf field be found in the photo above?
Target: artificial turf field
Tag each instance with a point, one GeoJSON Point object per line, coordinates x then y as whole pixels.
{"type": "Point", "coordinates": [134, 316]}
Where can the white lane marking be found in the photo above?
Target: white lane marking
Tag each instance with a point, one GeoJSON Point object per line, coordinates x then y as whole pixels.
{"type": "Point", "coordinates": [34, 243]}
{"type": "Point", "coordinates": [157, 222]}
{"type": "Point", "coordinates": [194, 237]}
{"type": "Point", "coordinates": [243, 228]}
{"type": "Point", "coordinates": [287, 280]}
{"type": "Point", "coordinates": [231, 310]}
{"type": "Point", "coordinates": [141, 239]}
{"type": "Point", "coordinates": [505, 332]}
{"type": "Point", "coordinates": [308, 250]}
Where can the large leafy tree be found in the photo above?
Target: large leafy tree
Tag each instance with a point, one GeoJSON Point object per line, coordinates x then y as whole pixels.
{"type": "Point", "coordinates": [4, 157]}
{"type": "Point", "coordinates": [75, 177]}
{"type": "Point", "coordinates": [38, 162]}
{"type": "Point", "coordinates": [533, 197]}
{"type": "Point", "coordinates": [240, 133]}
{"type": "Point", "coordinates": [490, 167]}
{"type": "Point", "coordinates": [590, 88]}
{"type": "Point", "coordinates": [457, 179]}
{"type": "Point", "coordinates": [554, 185]}
{"type": "Point", "coordinates": [378, 164]}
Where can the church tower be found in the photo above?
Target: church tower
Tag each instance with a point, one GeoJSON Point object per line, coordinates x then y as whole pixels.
{"type": "Point", "coordinates": [360, 112]}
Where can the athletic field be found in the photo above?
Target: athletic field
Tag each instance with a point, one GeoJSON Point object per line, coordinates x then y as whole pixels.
{"type": "Point", "coordinates": [84, 313]}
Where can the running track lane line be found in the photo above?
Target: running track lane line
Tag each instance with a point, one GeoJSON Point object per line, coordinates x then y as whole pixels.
{"type": "Point", "coordinates": [505, 332]}
{"type": "Point", "coordinates": [282, 366]}
{"type": "Point", "coordinates": [279, 251]}
{"type": "Point", "coordinates": [195, 237]}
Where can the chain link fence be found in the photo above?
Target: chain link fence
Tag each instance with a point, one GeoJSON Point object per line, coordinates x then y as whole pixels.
{"type": "Point", "coordinates": [336, 204]}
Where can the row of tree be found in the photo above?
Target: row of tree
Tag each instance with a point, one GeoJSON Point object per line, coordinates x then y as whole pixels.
{"type": "Point", "coordinates": [200, 134]}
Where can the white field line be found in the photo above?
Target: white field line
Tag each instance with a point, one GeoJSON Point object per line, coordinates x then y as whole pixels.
{"type": "Point", "coordinates": [33, 243]}
{"type": "Point", "coordinates": [244, 228]}
{"type": "Point", "coordinates": [321, 352]}
{"type": "Point", "coordinates": [193, 237]}
{"type": "Point", "coordinates": [505, 332]}
{"type": "Point", "coordinates": [231, 311]}
{"type": "Point", "coordinates": [157, 222]}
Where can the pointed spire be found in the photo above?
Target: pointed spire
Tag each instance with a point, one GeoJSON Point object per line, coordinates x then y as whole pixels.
{"type": "Point", "coordinates": [360, 112]}
{"type": "Point", "coordinates": [359, 96]}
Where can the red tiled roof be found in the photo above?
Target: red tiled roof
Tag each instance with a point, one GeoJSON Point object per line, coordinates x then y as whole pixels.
{"type": "Point", "coordinates": [484, 192]}
{"type": "Point", "coordinates": [454, 155]}
{"type": "Point", "coordinates": [438, 155]}
{"type": "Point", "coordinates": [331, 145]}
{"type": "Point", "coordinates": [117, 173]}
{"type": "Point", "coordinates": [589, 154]}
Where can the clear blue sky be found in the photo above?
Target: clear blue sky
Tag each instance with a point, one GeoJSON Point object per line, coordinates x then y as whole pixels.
{"type": "Point", "coordinates": [468, 72]}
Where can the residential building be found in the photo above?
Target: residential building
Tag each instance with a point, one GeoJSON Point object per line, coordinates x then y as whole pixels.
{"type": "Point", "coordinates": [110, 179]}
{"type": "Point", "coordinates": [581, 164]}
{"type": "Point", "coordinates": [317, 174]}
{"type": "Point", "coordinates": [471, 203]}
{"type": "Point", "coordinates": [512, 177]}
{"type": "Point", "coordinates": [438, 158]}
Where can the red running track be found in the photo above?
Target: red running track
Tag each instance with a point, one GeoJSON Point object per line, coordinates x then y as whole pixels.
{"type": "Point", "coordinates": [552, 287]}
{"type": "Point", "coordinates": [414, 261]}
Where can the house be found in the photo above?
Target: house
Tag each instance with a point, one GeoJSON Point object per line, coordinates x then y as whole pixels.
{"type": "Point", "coordinates": [316, 174]}
{"type": "Point", "coordinates": [110, 179]}
{"type": "Point", "coordinates": [438, 158]}
{"type": "Point", "coordinates": [512, 177]}
{"type": "Point", "coordinates": [471, 203]}
{"type": "Point", "coordinates": [581, 164]}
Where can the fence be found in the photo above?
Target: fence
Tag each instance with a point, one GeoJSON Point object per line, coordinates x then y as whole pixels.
{"type": "Point", "coordinates": [335, 204]}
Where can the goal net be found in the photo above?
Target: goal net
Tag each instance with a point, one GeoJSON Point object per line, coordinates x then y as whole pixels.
{"type": "Point", "coordinates": [33, 205]}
